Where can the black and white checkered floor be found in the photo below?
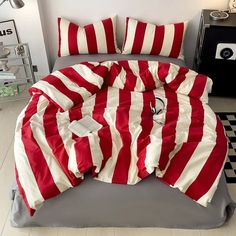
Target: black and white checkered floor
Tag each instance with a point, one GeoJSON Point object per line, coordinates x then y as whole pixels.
{"type": "Point", "coordinates": [229, 121]}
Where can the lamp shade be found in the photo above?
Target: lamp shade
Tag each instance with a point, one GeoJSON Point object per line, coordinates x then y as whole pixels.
{"type": "Point", "coordinates": [16, 3]}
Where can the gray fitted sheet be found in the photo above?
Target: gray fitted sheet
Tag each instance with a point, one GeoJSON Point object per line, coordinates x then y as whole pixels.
{"type": "Point", "coordinates": [71, 60]}
{"type": "Point", "coordinates": [150, 203]}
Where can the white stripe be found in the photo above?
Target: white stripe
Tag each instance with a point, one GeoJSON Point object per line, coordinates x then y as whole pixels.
{"type": "Point", "coordinates": [120, 79]}
{"type": "Point", "coordinates": [82, 41]}
{"type": "Point", "coordinates": [106, 173]}
{"type": "Point", "coordinates": [37, 127]}
{"type": "Point", "coordinates": [204, 98]}
{"type": "Point", "coordinates": [63, 122]}
{"type": "Point", "coordinates": [201, 153]}
{"type": "Point", "coordinates": [114, 33]}
{"type": "Point", "coordinates": [172, 73]}
{"type": "Point", "coordinates": [71, 85]}
{"type": "Point", "coordinates": [100, 37]}
{"type": "Point", "coordinates": [62, 100]}
{"type": "Point", "coordinates": [186, 86]}
{"type": "Point", "coordinates": [94, 140]}
{"type": "Point", "coordinates": [135, 130]}
{"type": "Point", "coordinates": [132, 24]}
{"type": "Point", "coordinates": [154, 148]}
{"type": "Point", "coordinates": [25, 173]}
{"type": "Point", "coordinates": [89, 75]}
{"type": "Point", "coordinates": [153, 69]}
{"type": "Point", "coordinates": [148, 38]}
{"type": "Point", "coordinates": [168, 40]}
{"type": "Point", "coordinates": [139, 86]}
{"type": "Point", "coordinates": [64, 29]}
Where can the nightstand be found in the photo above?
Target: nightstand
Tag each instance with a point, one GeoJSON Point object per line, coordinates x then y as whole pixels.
{"type": "Point", "coordinates": [215, 54]}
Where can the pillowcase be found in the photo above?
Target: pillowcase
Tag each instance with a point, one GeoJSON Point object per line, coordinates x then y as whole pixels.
{"type": "Point", "coordinates": [94, 38]}
{"type": "Point", "coordinates": [147, 38]}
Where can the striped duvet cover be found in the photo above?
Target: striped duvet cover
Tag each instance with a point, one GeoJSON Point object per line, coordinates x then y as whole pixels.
{"type": "Point", "coordinates": [185, 147]}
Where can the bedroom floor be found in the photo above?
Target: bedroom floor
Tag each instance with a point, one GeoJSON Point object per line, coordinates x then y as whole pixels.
{"type": "Point", "coordinates": [8, 115]}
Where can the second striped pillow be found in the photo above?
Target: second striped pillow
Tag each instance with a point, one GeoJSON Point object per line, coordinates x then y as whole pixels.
{"type": "Point", "coordinates": [146, 38]}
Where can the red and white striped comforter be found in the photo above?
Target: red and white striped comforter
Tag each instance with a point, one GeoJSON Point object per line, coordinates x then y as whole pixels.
{"type": "Point", "coordinates": [186, 152]}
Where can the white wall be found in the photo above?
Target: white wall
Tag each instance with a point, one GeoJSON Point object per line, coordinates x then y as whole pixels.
{"type": "Point", "coordinates": [156, 11]}
{"type": "Point", "coordinates": [37, 21]}
{"type": "Point", "coordinates": [29, 29]}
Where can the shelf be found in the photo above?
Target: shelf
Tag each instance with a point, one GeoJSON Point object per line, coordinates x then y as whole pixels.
{"type": "Point", "coordinates": [23, 78]}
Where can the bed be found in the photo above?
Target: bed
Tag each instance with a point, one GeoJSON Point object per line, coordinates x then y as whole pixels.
{"type": "Point", "coordinates": [150, 203]}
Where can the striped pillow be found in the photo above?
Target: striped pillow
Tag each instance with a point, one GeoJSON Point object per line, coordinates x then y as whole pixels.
{"type": "Point", "coordinates": [146, 38]}
{"type": "Point", "coordinates": [94, 38]}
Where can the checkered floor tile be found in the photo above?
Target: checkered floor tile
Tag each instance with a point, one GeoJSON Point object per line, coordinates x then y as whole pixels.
{"type": "Point", "coordinates": [229, 121]}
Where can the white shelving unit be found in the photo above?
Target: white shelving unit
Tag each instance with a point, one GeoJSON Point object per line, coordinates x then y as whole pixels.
{"type": "Point", "coordinates": [24, 77]}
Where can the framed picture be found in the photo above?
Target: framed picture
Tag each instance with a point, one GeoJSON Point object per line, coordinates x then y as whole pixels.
{"type": "Point", "coordinates": [8, 33]}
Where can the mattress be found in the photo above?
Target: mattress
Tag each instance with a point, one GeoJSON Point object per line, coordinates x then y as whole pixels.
{"type": "Point", "coordinates": [149, 203]}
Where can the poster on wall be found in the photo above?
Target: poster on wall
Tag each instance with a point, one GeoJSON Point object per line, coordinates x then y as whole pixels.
{"type": "Point", "coordinates": [8, 34]}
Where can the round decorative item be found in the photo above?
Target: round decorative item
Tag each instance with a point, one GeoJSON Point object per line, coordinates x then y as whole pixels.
{"type": "Point", "coordinates": [219, 15]}
{"type": "Point", "coordinates": [4, 52]}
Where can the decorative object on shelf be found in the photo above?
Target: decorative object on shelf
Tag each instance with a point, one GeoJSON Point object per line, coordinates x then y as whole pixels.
{"type": "Point", "coordinates": [16, 4]}
{"type": "Point", "coordinates": [8, 33]}
{"type": "Point", "coordinates": [219, 15]}
{"type": "Point", "coordinates": [232, 6]}
{"type": "Point", "coordinates": [20, 50]}
{"type": "Point", "coordinates": [4, 52]}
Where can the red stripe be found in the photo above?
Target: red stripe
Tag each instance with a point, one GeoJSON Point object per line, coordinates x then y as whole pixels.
{"type": "Point", "coordinates": [22, 192]}
{"type": "Point", "coordinates": [178, 38]}
{"type": "Point", "coordinates": [180, 77]}
{"type": "Point", "coordinates": [82, 147]}
{"type": "Point", "coordinates": [113, 73]}
{"type": "Point", "coordinates": [163, 71]}
{"type": "Point", "coordinates": [139, 37]}
{"type": "Point", "coordinates": [56, 143]}
{"type": "Point", "coordinates": [35, 156]}
{"type": "Point", "coordinates": [120, 175]}
{"type": "Point", "coordinates": [146, 76]}
{"type": "Point", "coordinates": [131, 78]}
{"type": "Point", "coordinates": [169, 128]}
{"type": "Point", "coordinates": [158, 40]}
{"type": "Point", "coordinates": [75, 77]}
{"type": "Point", "coordinates": [108, 27]}
{"type": "Point", "coordinates": [72, 39]}
{"type": "Point", "coordinates": [59, 36]}
{"type": "Point", "coordinates": [211, 168]}
{"type": "Point", "coordinates": [104, 133]}
{"type": "Point", "coordinates": [180, 160]}
{"type": "Point", "coordinates": [60, 86]}
{"type": "Point", "coordinates": [91, 39]}
{"type": "Point", "coordinates": [144, 138]}
{"type": "Point", "coordinates": [198, 86]}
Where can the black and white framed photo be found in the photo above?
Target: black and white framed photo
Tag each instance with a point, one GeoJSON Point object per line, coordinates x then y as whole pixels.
{"type": "Point", "coordinates": [8, 33]}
